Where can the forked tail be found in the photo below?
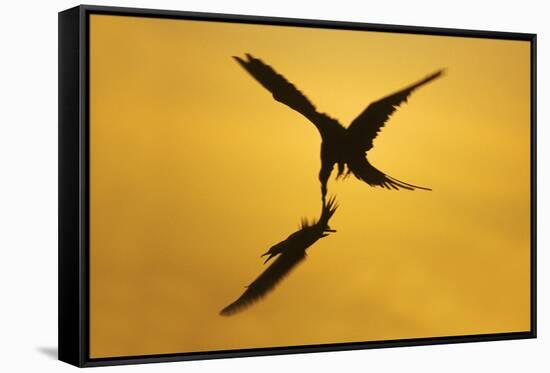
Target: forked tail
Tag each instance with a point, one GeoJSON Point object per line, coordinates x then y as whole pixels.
{"type": "Point", "coordinates": [363, 170]}
{"type": "Point", "coordinates": [405, 185]}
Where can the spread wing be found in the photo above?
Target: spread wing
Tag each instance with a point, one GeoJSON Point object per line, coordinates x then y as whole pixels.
{"type": "Point", "coordinates": [286, 93]}
{"type": "Point", "coordinates": [366, 126]}
{"type": "Point", "coordinates": [266, 281]}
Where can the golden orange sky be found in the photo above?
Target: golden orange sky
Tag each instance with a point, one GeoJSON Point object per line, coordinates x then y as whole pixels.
{"type": "Point", "coordinates": [195, 171]}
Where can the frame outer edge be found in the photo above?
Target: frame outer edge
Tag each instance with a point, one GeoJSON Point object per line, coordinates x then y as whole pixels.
{"type": "Point", "coordinates": [533, 77]}
{"type": "Point", "coordinates": [74, 190]}
{"type": "Point", "coordinates": [69, 223]}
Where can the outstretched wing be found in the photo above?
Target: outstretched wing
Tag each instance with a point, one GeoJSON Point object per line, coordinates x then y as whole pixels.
{"type": "Point", "coordinates": [366, 126]}
{"type": "Point", "coordinates": [286, 93]}
{"type": "Point", "coordinates": [266, 281]}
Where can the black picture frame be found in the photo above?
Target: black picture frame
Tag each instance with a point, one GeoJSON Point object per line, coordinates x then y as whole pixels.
{"type": "Point", "coordinates": [74, 186]}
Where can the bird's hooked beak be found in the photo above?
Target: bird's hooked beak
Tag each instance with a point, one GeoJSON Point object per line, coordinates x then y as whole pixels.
{"type": "Point", "coordinates": [271, 255]}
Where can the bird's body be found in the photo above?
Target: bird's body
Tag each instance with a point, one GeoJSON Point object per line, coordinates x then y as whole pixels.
{"type": "Point", "coordinates": [306, 236]}
{"type": "Point", "coordinates": [288, 253]}
{"type": "Point", "coordinates": [344, 147]}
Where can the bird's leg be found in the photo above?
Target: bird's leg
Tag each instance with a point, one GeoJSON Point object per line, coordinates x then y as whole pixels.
{"type": "Point", "coordinates": [324, 175]}
{"type": "Point", "coordinates": [341, 169]}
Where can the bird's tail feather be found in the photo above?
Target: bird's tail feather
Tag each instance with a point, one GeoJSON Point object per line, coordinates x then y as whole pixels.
{"type": "Point", "coordinates": [404, 184]}
{"type": "Point", "coordinates": [366, 172]}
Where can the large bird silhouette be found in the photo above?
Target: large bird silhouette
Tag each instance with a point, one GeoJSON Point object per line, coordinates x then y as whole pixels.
{"type": "Point", "coordinates": [290, 252]}
{"type": "Point", "coordinates": [341, 146]}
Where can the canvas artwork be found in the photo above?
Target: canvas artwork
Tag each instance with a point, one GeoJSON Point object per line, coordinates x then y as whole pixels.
{"type": "Point", "coordinates": [257, 186]}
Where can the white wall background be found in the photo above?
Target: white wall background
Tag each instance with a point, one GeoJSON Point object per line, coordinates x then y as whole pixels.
{"type": "Point", "coordinates": [28, 184]}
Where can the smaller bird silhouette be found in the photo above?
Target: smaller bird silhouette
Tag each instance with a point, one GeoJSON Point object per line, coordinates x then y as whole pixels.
{"type": "Point", "coordinates": [289, 252]}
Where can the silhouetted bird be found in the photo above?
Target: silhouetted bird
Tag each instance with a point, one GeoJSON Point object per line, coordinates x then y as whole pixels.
{"type": "Point", "coordinates": [290, 252]}
{"type": "Point", "coordinates": [345, 147]}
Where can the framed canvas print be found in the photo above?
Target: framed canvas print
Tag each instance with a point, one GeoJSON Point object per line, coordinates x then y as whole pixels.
{"type": "Point", "coordinates": [237, 186]}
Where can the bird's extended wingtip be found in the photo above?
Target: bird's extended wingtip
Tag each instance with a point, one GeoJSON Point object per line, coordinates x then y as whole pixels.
{"type": "Point", "coordinates": [239, 60]}
{"type": "Point", "coordinates": [225, 312]}
{"type": "Point", "coordinates": [245, 61]}
{"type": "Point", "coordinates": [436, 74]}
{"type": "Point", "coordinates": [231, 309]}
{"type": "Point", "coordinates": [439, 73]}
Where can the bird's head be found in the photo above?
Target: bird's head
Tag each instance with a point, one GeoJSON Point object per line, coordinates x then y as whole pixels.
{"type": "Point", "coordinates": [274, 250]}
